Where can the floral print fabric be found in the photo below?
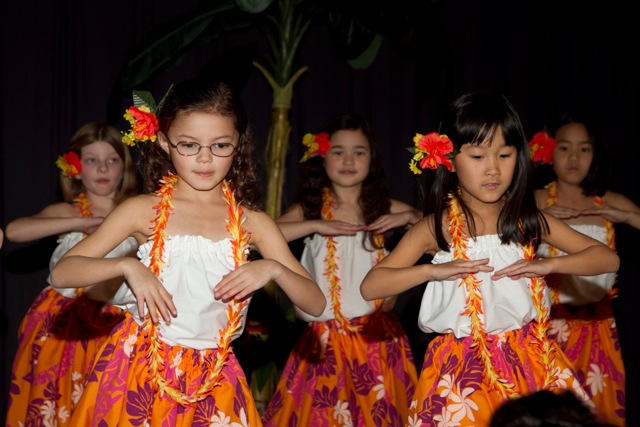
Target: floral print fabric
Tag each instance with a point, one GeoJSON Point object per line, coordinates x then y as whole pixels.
{"type": "Point", "coordinates": [589, 337]}
{"type": "Point", "coordinates": [337, 377]}
{"type": "Point", "coordinates": [119, 392]}
{"type": "Point", "coordinates": [57, 342]}
{"type": "Point", "coordinates": [451, 390]}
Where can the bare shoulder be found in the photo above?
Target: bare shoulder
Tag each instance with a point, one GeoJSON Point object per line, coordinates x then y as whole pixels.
{"type": "Point", "coordinates": [425, 225]}
{"type": "Point", "coordinates": [620, 201]}
{"type": "Point", "coordinates": [140, 201]}
{"type": "Point", "coordinates": [422, 231]}
{"type": "Point", "coordinates": [258, 221]}
{"type": "Point", "coordinates": [137, 211]}
{"type": "Point", "coordinates": [266, 236]}
{"type": "Point", "coordinates": [416, 242]}
{"type": "Point", "coordinates": [399, 206]}
{"type": "Point", "coordinates": [294, 213]}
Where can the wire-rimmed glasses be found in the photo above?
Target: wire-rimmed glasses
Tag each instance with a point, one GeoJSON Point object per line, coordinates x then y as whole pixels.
{"type": "Point", "coordinates": [218, 149]}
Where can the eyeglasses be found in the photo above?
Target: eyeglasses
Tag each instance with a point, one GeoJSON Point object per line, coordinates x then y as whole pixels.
{"type": "Point", "coordinates": [219, 149]}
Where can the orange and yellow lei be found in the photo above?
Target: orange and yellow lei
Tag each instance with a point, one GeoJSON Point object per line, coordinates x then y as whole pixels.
{"type": "Point", "coordinates": [240, 239]}
{"type": "Point", "coordinates": [552, 198]}
{"type": "Point", "coordinates": [331, 266]}
{"type": "Point", "coordinates": [84, 207]}
{"type": "Point", "coordinates": [474, 309]}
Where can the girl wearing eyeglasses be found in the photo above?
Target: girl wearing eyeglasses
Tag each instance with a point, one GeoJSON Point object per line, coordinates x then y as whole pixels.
{"type": "Point", "coordinates": [170, 362]}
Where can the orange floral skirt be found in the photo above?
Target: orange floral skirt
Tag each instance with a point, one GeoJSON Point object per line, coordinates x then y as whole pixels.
{"type": "Point", "coordinates": [120, 391]}
{"type": "Point", "coordinates": [452, 389]}
{"type": "Point", "coordinates": [589, 337]}
{"type": "Point", "coordinates": [57, 341]}
{"type": "Point", "coordinates": [335, 377]}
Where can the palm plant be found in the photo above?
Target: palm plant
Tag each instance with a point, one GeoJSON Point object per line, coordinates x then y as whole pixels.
{"type": "Point", "coordinates": [355, 26]}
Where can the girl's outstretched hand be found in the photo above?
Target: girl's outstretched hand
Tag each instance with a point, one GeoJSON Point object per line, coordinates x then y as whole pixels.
{"type": "Point", "coordinates": [563, 212]}
{"type": "Point", "coordinates": [524, 268]}
{"type": "Point", "coordinates": [338, 228]}
{"type": "Point", "coordinates": [245, 280]}
{"type": "Point", "coordinates": [149, 292]}
{"type": "Point", "coordinates": [609, 213]}
{"type": "Point", "coordinates": [389, 221]}
{"type": "Point", "coordinates": [459, 269]}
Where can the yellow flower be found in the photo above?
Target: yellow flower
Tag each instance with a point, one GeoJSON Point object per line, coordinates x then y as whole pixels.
{"type": "Point", "coordinates": [413, 166]}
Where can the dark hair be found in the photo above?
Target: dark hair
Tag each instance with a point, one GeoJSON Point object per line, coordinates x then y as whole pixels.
{"type": "Point", "coordinates": [374, 197]}
{"type": "Point", "coordinates": [544, 408]}
{"type": "Point", "coordinates": [472, 119]}
{"type": "Point", "coordinates": [597, 179]}
{"type": "Point", "coordinates": [87, 134]}
{"type": "Point", "coordinates": [215, 98]}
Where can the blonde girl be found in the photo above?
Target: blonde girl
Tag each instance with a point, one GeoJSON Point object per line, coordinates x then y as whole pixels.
{"type": "Point", "coordinates": [62, 332]}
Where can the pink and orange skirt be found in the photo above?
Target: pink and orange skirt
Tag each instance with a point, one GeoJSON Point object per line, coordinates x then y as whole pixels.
{"type": "Point", "coordinates": [57, 342]}
{"type": "Point", "coordinates": [338, 377]}
{"type": "Point", "coordinates": [452, 389]}
{"type": "Point", "coordinates": [589, 337]}
{"type": "Point", "coordinates": [120, 390]}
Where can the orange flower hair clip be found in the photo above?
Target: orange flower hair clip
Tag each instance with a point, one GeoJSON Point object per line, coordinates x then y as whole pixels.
{"type": "Point", "coordinates": [541, 148]}
{"type": "Point", "coordinates": [142, 117]}
{"type": "Point", "coordinates": [70, 164]}
{"type": "Point", "coordinates": [317, 144]}
{"type": "Point", "coordinates": [430, 151]}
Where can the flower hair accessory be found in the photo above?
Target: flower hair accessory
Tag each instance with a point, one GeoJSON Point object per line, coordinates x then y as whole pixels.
{"type": "Point", "coordinates": [142, 117]}
{"type": "Point", "coordinates": [430, 151]}
{"type": "Point", "coordinates": [317, 144]}
{"type": "Point", "coordinates": [541, 148]}
{"type": "Point", "coordinates": [70, 164]}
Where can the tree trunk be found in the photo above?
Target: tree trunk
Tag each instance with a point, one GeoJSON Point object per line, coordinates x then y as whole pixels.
{"type": "Point", "coordinates": [276, 153]}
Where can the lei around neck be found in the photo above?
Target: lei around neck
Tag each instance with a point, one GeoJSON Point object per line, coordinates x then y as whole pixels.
{"type": "Point", "coordinates": [83, 205]}
{"type": "Point", "coordinates": [155, 349]}
{"type": "Point", "coordinates": [331, 265]}
{"type": "Point", "coordinates": [474, 309]}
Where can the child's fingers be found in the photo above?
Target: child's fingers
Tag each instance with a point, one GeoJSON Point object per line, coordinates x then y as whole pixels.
{"type": "Point", "coordinates": [159, 304]}
{"type": "Point", "coordinates": [141, 308]}
{"type": "Point", "coordinates": [241, 282]}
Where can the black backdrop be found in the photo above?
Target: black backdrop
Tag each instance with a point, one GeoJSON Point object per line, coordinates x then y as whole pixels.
{"type": "Point", "coordinates": [60, 59]}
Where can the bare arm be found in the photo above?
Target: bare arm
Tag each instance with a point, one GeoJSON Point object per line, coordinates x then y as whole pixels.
{"type": "Point", "coordinates": [617, 209]}
{"type": "Point", "coordinates": [402, 215]}
{"type": "Point", "coordinates": [278, 264]}
{"type": "Point", "coordinates": [586, 256]}
{"type": "Point", "coordinates": [398, 272]}
{"type": "Point", "coordinates": [85, 265]}
{"type": "Point", "coordinates": [294, 226]}
{"type": "Point", "coordinates": [53, 220]}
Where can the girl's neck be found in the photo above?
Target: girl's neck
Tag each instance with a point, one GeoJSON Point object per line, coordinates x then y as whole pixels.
{"type": "Point", "coordinates": [485, 215]}
{"type": "Point", "coordinates": [346, 195]}
{"type": "Point", "coordinates": [346, 204]}
{"type": "Point", "coordinates": [185, 192]}
{"type": "Point", "coordinates": [100, 205]}
{"type": "Point", "coordinates": [569, 190]}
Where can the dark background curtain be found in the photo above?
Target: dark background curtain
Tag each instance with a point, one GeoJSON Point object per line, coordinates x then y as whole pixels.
{"type": "Point", "coordinates": [60, 60]}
